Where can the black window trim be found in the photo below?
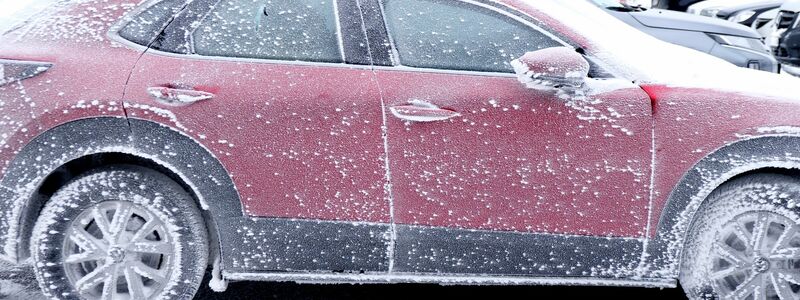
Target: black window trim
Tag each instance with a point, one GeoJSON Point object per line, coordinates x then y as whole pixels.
{"type": "Point", "coordinates": [114, 36]}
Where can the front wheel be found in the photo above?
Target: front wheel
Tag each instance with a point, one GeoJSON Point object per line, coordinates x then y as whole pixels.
{"type": "Point", "coordinates": [120, 233]}
{"type": "Point", "coordinates": [745, 242]}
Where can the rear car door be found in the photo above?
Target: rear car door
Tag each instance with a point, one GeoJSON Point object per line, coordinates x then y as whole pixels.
{"type": "Point", "coordinates": [489, 177]}
{"type": "Point", "coordinates": [282, 93]}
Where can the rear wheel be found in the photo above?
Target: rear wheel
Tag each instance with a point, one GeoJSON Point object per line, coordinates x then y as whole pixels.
{"type": "Point", "coordinates": [745, 242]}
{"type": "Point", "coordinates": [120, 233]}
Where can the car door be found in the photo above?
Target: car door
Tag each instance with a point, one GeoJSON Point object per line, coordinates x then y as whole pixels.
{"type": "Point", "coordinates": [281, 92]}
{"type": "Point", "coordinates": [490, 177]}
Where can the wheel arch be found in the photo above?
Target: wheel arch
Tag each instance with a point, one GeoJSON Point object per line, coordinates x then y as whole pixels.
{"type": "Point", "coordinates": [752, 155]}
{"type": "Point", "coordinates": [65, 152]}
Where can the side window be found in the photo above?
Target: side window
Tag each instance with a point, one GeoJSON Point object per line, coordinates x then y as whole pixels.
{"type": "Point", "coordinates": [303, 30]}
{"type": "Point", "coordinates": [145, 26]}
{"type": "Point", "coordinates": [447, 34]}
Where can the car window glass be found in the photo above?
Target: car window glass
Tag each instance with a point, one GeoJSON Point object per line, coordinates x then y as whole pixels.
{"type": "Point", "coordinates": [145, 26]}
{"type": "Point", "coordinates": [303, 30]}
{"type": "Point", "coordinates": [447, 34]}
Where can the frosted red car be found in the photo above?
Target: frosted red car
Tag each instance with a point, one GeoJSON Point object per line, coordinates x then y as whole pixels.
{"type": "Point", "coordinates": [458, 142]}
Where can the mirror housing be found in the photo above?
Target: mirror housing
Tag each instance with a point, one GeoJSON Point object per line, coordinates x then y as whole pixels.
{"type": "Point", "coordinates": [552, 68]}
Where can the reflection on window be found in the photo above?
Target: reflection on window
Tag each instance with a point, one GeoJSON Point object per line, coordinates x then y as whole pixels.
{"type": "Point", "coordinates": [271, 29]}
{"type": "Point", "coordinates": [447, 34]}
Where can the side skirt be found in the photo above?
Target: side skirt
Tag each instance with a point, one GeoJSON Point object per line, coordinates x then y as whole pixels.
{"type": "Point", "coordinates": [305, 250]}
{"type": "Point", "coordinates": [329, 278]}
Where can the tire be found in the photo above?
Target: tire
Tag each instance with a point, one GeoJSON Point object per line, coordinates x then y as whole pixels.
{"type": "Point", "coordinates": [162, 246]}
{"type": "Point", "coordinates": [744, 243]}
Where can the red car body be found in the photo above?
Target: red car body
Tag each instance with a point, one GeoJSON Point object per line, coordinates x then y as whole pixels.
{"type": "Point", "coordinates": [306, 173]}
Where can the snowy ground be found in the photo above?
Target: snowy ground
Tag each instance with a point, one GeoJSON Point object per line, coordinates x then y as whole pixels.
{"type": "Point", "coordinates": [19, 283]}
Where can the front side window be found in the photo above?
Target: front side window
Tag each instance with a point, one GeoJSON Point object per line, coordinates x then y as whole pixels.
{"type": "Point", "coordinates": [304, 30]}
{"type": "Point", "coordinates": [447, 34]}
{"type": "Point", "coordinates": [145, 26]}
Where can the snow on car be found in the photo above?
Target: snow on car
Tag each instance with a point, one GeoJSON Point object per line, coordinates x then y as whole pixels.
{"type": "Point", "coordinates": [455, 142]}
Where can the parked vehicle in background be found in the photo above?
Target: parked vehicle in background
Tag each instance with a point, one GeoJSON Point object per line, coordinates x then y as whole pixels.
{"type": "Point", "coordinates": [747, 13]}
{"type": "Point", "coordinates": [676, 5]}
{"type": "Point", "coordinates": [735, 43]}
{"type": "Point", "coordinates": [785, 40]}
{"type": "Point", "coordinates": [765, 23]}
{"type": "Point", "coordinates": [389, 141]}
{"type": "Point", "coordinates": [639, 3]}
{"type": "Point", "coordinates": [710, 8]}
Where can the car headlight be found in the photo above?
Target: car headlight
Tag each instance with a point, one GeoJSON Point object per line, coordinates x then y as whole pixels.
{"type": "Point", "coordinates": [742, 16]}
{"type": "Point", "coordinates": [740, 42]}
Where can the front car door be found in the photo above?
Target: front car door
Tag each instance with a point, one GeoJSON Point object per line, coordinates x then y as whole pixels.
{"type": "Point", "coordinates": [490, 177]}
{"type": "Point", "coordinates": [281, 92]}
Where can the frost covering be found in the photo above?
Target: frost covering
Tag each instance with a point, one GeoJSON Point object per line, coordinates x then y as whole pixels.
{"type": "Point", "coordinates": [639, 57]}
{"type": "Point", "coordinates": [551, 67]}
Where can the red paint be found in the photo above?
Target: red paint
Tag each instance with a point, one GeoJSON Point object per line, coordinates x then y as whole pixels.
{"type": "Point", "coordinates": [691, 123]}
{"type": "Point", "coordinates": [305, 140]}
{"type": "Point", "coordinates": [297, 144]}
{"type": "Point", "coordinates": [517, 159]}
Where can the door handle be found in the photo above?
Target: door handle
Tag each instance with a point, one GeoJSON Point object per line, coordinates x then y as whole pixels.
{"type": "Point", "coordinates": [178, 97]}
{"type": "Point", "coordinates": [419, 111]}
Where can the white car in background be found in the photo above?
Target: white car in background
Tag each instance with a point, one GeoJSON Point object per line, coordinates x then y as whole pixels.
{"type": "Point", "coordinates": [710, 8]}
{"type": "Point", "coordinates": [765, 23]}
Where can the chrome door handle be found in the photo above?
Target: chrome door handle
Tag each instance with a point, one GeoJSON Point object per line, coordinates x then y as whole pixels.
{"type": "Point", "coordinates": [178, 97]}
{"type": "Point", "coordinates": [419, 111]}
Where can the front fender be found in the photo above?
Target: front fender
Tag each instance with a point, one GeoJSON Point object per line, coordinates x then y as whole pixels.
{"type": "Point", "coordinates": [662, 255]}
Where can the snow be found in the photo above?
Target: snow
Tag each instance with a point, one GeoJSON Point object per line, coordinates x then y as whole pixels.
{"type": "Point", "coordinates": [178, 97]}
{"type": "Point", "coordinates": [551, 68]}
{"type": "Point", "coordinates": [638, 57]}
{"type": "Point", "coordinates": [387, 188]}
{"type": "Point", "coordinates": [446, 279]}
{"type": "Point", "coordinates": [217, 282]}
{"type": "Point", "coordinates": [87, 20]}
{"type": "Point", "coordinates": [779, 129]}
{"type": "Point", "coordinates": [421, 111]}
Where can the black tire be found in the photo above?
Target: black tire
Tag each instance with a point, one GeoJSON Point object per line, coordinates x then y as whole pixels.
{"type": "Point", "coordinates": [728, 249]}
{"type": "Point", "coordinates": [147, 193]}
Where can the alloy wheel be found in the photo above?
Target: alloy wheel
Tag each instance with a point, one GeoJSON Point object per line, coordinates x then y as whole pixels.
{"type": "Point", "coordinates": [757, 256]}
{"type": "Point", "coordinates": [118, 250]}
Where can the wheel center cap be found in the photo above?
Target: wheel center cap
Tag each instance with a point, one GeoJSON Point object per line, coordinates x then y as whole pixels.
{"type": "Point", "coordinates": [761, 265]}
{"type": "Point", "coordinates": [116, 254]}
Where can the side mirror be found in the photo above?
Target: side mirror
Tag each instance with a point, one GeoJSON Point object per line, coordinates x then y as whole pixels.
{"type": "Point", "coordinates": [552, 68]}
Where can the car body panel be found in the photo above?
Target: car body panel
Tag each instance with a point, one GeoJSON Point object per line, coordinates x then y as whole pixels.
{"type": "Point", "coordinates": [678, 5]}
{"type": "Point", "coordinates": [692, 32]}
{"type": "Point", "coordinates": [519, 148]}
{"type": "Point", "coordinates": [757, 8]}
{"type": "Point", "coordinates": [681, 21]}
{"type": "Point", "coordinates": [271, 132]}
{"type": "Point", "coordinates": [704, 7]}
{"type": "Point", "coordinates": [785, 38]}
{"type": "Point", "coordinates": [307, 176]}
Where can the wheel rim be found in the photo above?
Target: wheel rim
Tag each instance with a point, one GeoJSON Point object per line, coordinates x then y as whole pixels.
{"type": "Point", "coordinates": [757, 256]}
{"type": "Point", "coordinates": [118, 250]}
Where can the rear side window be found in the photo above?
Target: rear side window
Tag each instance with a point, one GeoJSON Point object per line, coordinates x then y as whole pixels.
{"type": "Point", "coordinates": [304, 30]}
{"type": "Point", "coordinates": [447, 34]}
{"type": "Point", "coordinates": [145, 26]}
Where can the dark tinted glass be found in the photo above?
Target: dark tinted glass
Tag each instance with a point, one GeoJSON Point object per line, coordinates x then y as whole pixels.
{"type": "Point", "coordinates": [303, 30]}
{"type": "Point", "coordinates": [447, 34]}
{"type": "Point", "coordinates": [144, 27]}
